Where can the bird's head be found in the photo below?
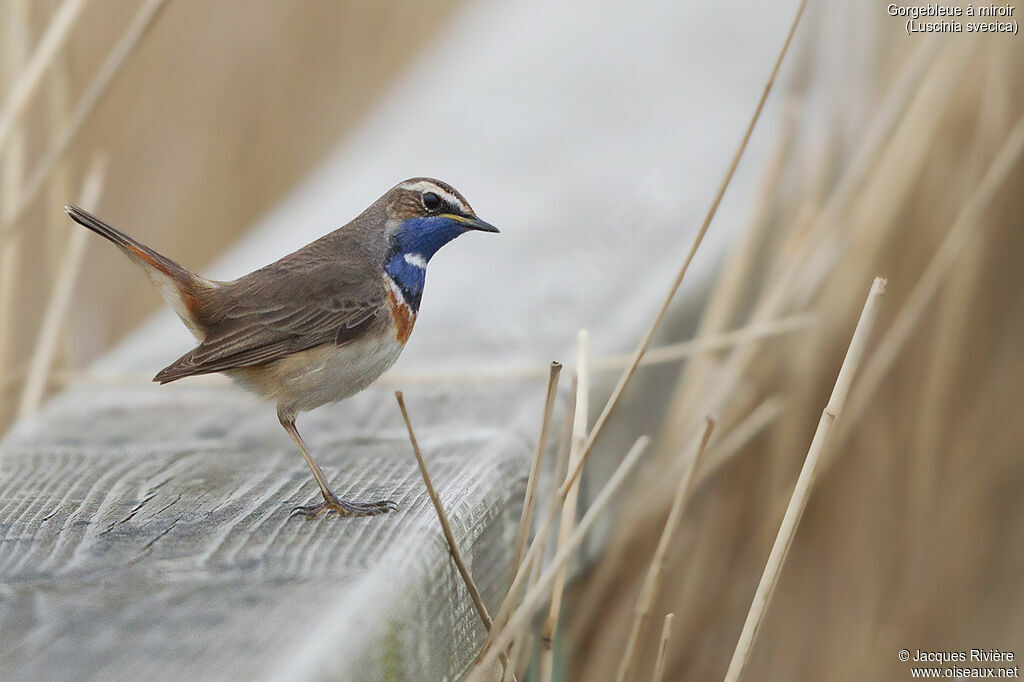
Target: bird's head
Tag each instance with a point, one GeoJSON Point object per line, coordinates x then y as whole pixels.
{"type": "Point", "coordinates": [422, 216]}
{"type": "Point", "coordinates": [426, 214]}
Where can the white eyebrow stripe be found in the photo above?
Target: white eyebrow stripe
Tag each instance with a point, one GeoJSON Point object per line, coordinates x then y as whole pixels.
{"type": "Point", "coordinates": [416, 260]}
{"type": "Point", "coordinates": [428, 186]}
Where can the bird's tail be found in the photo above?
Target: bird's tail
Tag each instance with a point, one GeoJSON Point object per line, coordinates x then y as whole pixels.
{"type": "Point", "coordinates": [182, 289]}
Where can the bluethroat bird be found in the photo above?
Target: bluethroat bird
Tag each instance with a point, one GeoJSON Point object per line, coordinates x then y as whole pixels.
{"type": "Point", "coordinates": [321, 324]}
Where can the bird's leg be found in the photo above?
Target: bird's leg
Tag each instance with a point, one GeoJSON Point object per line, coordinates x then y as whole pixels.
{"type": "Point", "coordinates": [331, 501]}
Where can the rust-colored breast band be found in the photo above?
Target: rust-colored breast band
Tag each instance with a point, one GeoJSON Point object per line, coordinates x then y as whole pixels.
{"type": "Point", "coordinates": [402, 315]}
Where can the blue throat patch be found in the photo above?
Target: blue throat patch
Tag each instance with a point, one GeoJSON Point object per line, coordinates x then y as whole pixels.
{"type": "Point", "coordinates": [419, 239]}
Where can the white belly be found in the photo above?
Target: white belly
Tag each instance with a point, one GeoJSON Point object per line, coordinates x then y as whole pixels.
{"type": "Point", "coordinates": [324, 374]}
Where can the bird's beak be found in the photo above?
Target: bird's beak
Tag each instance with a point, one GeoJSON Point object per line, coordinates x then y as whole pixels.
{"type": "Point", "coordinates": [473, 223]}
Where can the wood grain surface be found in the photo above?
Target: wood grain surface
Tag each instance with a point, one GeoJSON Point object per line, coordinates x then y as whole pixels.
{"type": "Point", "coordinates": [150, 536]}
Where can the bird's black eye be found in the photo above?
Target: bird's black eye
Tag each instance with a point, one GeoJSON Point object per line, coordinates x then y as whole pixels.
{"type": "Point", "coordinates": [431, 201]}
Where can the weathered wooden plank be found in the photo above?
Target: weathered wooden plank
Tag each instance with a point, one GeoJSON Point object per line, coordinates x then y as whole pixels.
{"type": "Point", "coordinates": [131, 556]}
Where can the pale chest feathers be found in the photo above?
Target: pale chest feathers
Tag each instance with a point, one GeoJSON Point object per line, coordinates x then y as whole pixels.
{"type": "Point", "coordinates": [328, 373]}
{"type": "Point", "coordinates": [324, 374]}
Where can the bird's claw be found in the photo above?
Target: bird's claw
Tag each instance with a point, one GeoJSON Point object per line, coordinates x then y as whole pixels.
{"type": "Point", "coordinates": [345, 508]}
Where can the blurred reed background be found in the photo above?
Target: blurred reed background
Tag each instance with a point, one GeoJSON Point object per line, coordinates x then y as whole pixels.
{"type": "Point", "coordinates": [912, 535]}
{"type": "Point", "coordinates": [202, 126]}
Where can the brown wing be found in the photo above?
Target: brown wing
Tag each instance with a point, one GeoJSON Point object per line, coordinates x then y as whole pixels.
{"type": "Point", "coordinates": [304, 300]}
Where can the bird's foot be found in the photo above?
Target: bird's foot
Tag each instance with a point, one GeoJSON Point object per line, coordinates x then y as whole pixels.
{"type": "Point", "coordinates": [345, 508]}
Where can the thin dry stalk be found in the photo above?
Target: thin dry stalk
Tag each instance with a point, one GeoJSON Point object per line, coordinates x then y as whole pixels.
{"type": "Point", "coordinates": [13, 165]}
{"type": "Point", "coordinates": [801, 493]}
{"type": "Point", "coordinates": [534, 558]}
{"type": "Point", "coordinates": [534, 597]}
{"type": "Point", "coordinates": [724, 445]}
{"type": "Point", "coordinates": [729, 289]}
{"type": "Point", "coordinates": [652, 582]}
{"type": "Point", "coordinates": [508, 605]}
{"type": "Point", "coordinates": [722, 451]}
{"type": "Point", "coordinates": [92, 95]}
{"type": "Point", "coordinates": [442, 516]}
{"type": "Point", "coordinates": [579, 436]}
{"type": "Point", "coordinates": [919, 70]}
{"type": "Point", "coordinates": [57, 32]}
{"type": "Point", "coordinates": [523, 636]}
{"type": "Point", "coordinates": [538, 458]}
{"type": "Point", "coordinates": [964, 228]}
{"type": "Point", "coordinates": [522, 641]}
{"type": "Point", "coordinates": [646, 340]}
{"type": "Point", "coordinates": [60, 187]}
{"type": "Point", "coordinates": [881, 201]}
{"type": "Point", "coordinates": [952, 327]}
{"type": "Point", "coordinates": [656, 355]}
{"type": "Point", "coordinates": [60, 298]}
{"type": "Point", "coordinates": [529, 499]}
{"type": "Point", "coordinates": [702, 345]}
{"type": "Point", "coordinates": [666, 635]}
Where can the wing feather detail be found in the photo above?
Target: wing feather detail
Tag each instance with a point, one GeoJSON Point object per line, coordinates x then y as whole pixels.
{"type": "Point", "coordinates": [302, 301]}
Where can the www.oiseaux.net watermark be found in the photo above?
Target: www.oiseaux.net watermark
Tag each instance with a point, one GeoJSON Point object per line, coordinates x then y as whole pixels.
{"type": "Point", "coordinates": [960, 18]}
{"type": "Point", "coordinates": [960, 664]}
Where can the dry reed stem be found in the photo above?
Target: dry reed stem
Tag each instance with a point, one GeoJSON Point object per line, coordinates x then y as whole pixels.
{"type": "Point", "coordinates": [801, 493]}
{"type": "Point", "coordinates": [723, 447]}
{"type": "Point", "coordinates": [649, 334]}
{"type": "Point", "coordinates": [523, 635]}
{"type": "Point", "coordinates": [732, 443]}
{"type": "Point", "coordinates": [898, 97]}
{"type": "Point", "coordinates": [659, 354]}
{"type": "Point", "coordinates": [652, 581]}
{"type": "Point", "coordinates": [13, 162]}
{"type": "Point", "coordinates": [963, 229]}
{"type": "Point", "coordinates": [534, 558]}
{"type": "Point", "coordinates": [579, 436]}
{"type": "Point", "coordinates": [60, 185]}
{"type": "Point", "coordinates": [442, 516]}
{"type": "Point", "coordinates": [90, 97]}
{"type": "Point", "coordinates": [60, 297]}
{"type": "Point", "coordinates": [534, 597]}
{"type": "Point", "coordinates": [654, 356]}
{"type": "Point", "coordinates": [56, 35]}
{"type": "Point", "coordinates": [727, 294]}
{"type": "Point", "coordinates": [535, 552]}
{"type": "Point", "coordinates": [58, 189]}
{"type": "Point", "coordinates": [702, 345]}
{"type": "Point", "coordinates": [666, 635]}
{"type": "Point", "coordinates": [883, 196]}
{"type": "Point", "coordinates": [953, 318]}
{"type": "Point", "coordinates": [508, 604]}
{"type": "Point", "coordinates": [520, 643]}
{"type": "Point", "coordinates": [900, 94]}
{"type": "Point", "coordinates": [529, 499]}
{"type": "Point", "coordinates": [536, 546]}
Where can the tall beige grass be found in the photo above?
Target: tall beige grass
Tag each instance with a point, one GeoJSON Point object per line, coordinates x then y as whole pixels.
{"type": "Point", "coordinates": [907, 540]}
